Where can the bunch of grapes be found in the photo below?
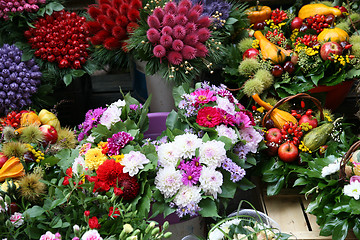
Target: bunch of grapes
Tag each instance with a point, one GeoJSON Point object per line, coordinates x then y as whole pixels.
{"type": "Point", "coordinates": [16, 6]}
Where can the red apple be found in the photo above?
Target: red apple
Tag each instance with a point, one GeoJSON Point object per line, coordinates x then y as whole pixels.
{"type": "Point", "coordinates": [309, 119]}
{"type": "Point", "coordinates": [273, 135]}
{"type": "Point", "coordinates": [296, 23]}
{"type": "Point", "coordinates": [294, 58]}
{"type": "Point", "coordinates": [329, 48]}
{"type": "Point", "coordinates": [50, 134]}
{"type": "Point", "coordinates": [3, 159]}
{"type": "Point", "coordinates": [288, 152]}
{"type": "Point", "coordinates": [251, 53]}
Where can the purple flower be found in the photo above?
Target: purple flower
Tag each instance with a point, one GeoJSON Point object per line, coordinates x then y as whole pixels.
{"type": "Point", "coordinates": [118, 141]}
{"type": "Point", "coordinates": [92, 118]}
{"type": "Point", "coordinates": [191, 209]}
{"type": "Point", "coordinates": [134, 107]}
{"type": "Point", "coordinates": [191, 171]}
{"type": "Point", "coordinates": [212, 6]}
{"type": "Point", "coordinates": [242, 120]}
{"type": "Point", "coordinates": [237, 173]}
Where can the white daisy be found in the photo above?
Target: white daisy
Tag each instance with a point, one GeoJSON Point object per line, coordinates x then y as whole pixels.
{"type": "Point", "coordinates": [212, 153]}
{"type": "Point", "coordinates": [187, 144]}
{"type": "Point", "coordinates": [168, 180]}
{"type": "Point", "coordinates": [211, 181]}
{"type": "Point", "coordinates": [187, 195]}
{"type": "Point", "coordinates": [133, 162]}
{"type": "Point", "coordinates": [225, 131]}
{"type": "Point", "coordinates": [169, 154]}
{"type": "Point", "coordinates": [352, 190]}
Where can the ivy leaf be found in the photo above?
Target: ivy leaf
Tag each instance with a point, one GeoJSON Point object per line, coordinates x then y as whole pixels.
{"type": "Point", "coordinates": [78, 73]}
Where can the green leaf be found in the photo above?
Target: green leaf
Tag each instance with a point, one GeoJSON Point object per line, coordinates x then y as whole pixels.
{"type": "Point", "coordinates": [245, 184]}
{"type": "Point", "coordinates": [355, 206]}
{"type": "Point", "coordinates": [316, 78]}
{"type": "Point", "coordinates": [55, 6]}
{"type": "Point", "coordinates": [356, 228]}
{"type": "Point", "coordinates": [341, 230]}
{"type": "Point", "coordinates": [208, 208]}
{"type": "Point", "coordinates": [300, 182]}
{"type": "Point", "coordinates": [67, 79]}
{"type": "Point", "coordinates": [231, 20]}
{"type": "Point", "coordinates": [352, 73]}
{"type": "Point", "coordinates": [66, 157]}
{"type": "Point", "coordinates": [35, 211]}
{"type": "Point", "coordinates": [26, 56]}
{"type": "Point", "coordinates": [228, 188]}
{"type": "Point", "coordinates": [172, 119]}
{"type": "Point", "coordinates": [77, 73]}
{"type": "Point", "coordinates": [274, 188]}
{"type": "Point", "coordinates": [227, 141]}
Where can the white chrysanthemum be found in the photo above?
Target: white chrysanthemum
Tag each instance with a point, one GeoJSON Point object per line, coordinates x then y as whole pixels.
{"type": "Point", "coordinates": [119, 103]}
{"type": "Point", "coordinates": [169, 154]}
{"type": "Point", "coordinates": [133, 162]}
{"type": "Point", "coordinates": [211, 181]}
{"type": "Point", "coordinates": [110, 116]}
{"type": "Point", "coordinates": [78, 167]}
{"type": "Point", "coordinates": [331, 168]}
{"type": "Point", "coordinates": [352, 190]}
{"type": "Point", "coordinates": [168, 180]}
{"type": "Point", "coordinates": [187, 195]}
{"type": "Point", "coordinates": [225, 131]}
{"type": "Point", "coordinates": [226, 105]}
{"type": "Point", "coordinates": [218, 234]}
{"type": "Point", "coordinates": [212, 153]}
{"type": "Point", "coordinates": [187, 144]}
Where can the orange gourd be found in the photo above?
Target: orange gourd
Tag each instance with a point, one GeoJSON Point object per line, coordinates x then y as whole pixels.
{"type": "Point", "coordinates": [317, 8]}
{"type": "Point", "coordinates": [258, 13]}
{"type": "Point", "coordinates": [29, 118]}
{"type": "Point", "coordinates": [12, 168]}
{"type": "Point", "coordinates": [48, 118]}
{"type": "Point", "coordinates": [278, 116]}
{"type": "Point", "coordinates": [333, 34]}
{"type": "Point", "coordinates": [269, 50]}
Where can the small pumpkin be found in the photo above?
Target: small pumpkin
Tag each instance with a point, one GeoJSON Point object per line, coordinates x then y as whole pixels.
{"type": "Point", "coordinates": [333, 34]}
{"type": "Point", "coordinates": [258, 13]}
{"type": "Point", "coordinates": [48, 118]}
{"type": "Point", "coordinates": [310, 10]}
{"type": "Point", "coordinates": [269, 50]}
{"type": "Point", "coordinates": [12, 168]}
{"type": "Point", "coordinates": [278, 116]}
{"type": "Point", "coordinates": [29, 118]}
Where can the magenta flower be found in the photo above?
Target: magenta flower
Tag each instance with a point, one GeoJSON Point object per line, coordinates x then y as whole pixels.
{"type": "Point", "coordinates": [167, 31]}
{"type": "Point", "coordinates": [159, 13]}
{"type": "Point", "coordinates": [118, 141]}
{"type": "Point", "coordinates": [354, 178]}
{"type": "Point", "coordinates": [153, 22]}
{"type": "Point", "coordinates": [153, 35]}
{"type": "Point", "coordinates": [177, 45]}
{"type": "Point", "coordinates": [175, 58]}
{"type": "Point", "coordinates": [242, 120]}
{"type": "Point", "coordinates": [159, 51]}
{"type": "Point", "coordinates": [227, 118]}
{"type": "Point", "coordinates": [203, 96]}
{"type": "Point", "coordinates": [179, 32]}
{"type": "Point", "coordinates": [166, 41]}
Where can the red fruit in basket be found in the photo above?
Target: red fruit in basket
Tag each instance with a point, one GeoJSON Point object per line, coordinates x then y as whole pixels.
{"type": "Point", "coordinates": [289, 67]}
{"type": "Point", "coordinates": [50, 134]}
{"type": "Point", "coordinates": [277, 70]}
{"type": "Point", "coordinates": [296, 23]}
{"type": "Point", "coordinates": [259, 25]}
{"type": "Point", "coordinates": [330, 48]}
{"type": "Point", "coordinates": [269, 124]}
{"type": "Point", "coordinates": [272, 148]}
{"type": "Point", "coordinates": [343, 11]}
{"type": "Point", "coordinates": [303, 28]}
{"type": "Point", "coordinates": [309, 119]}
{"type": "Point", "coordinates": [294, 58]}
{"type": "Point", "coordinates": [288, 152]}
{"type": "Point", "coordinates": [329, 18]}
{"type": "Point", "coordinates": [273, 135]}
{"type": "Point", "coordinates": [251, 53]}
{"type": "Point", "coordinates": [3, 159]}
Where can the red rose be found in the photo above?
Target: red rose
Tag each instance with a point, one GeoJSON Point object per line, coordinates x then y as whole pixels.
{"type": "Point", "coordinates": [87, 213]}
{"type": "Point", "coordinates": [113, 213]}
{"type": "Point", "coordinates": [94, 223]}
{"type": "Point", "coordinates": [208, 117]}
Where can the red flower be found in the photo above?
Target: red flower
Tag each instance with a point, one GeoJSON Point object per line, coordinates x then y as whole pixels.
{"type": "Point", "coordinates": [94, 223]}
{"type": "Point", "coordinates": [129, 186]}
{"type": "Point", "coordinates": [166, 41]}
{"type": "Point", "coordinates": [208, 117]}
{"type": "Point", "coordinates": [87, 213]}
{"type": "Point", "coordinates": [113, 213]}
{"type": "Point", "coordinates": [159, 51]}
{"type": "Point", "coordinates": [175, 58]}
{"type": "Point", "coordinates": [118, 191]}
{"type": "Point", "coordinates": [68, 176]}
{"type": "Point", "coordinates": [109, 171]}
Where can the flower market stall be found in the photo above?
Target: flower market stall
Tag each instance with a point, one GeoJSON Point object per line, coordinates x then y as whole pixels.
{"type": "Point", "coordinates": [241, 135]}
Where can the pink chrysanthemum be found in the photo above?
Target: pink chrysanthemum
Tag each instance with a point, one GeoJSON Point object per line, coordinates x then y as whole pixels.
{"type": "Point", "coordinates": [159, 51]}
{"type": "Point", "coordinates": [153, 35]}
{"type": "Point", "coordinates": [179, 32]}
{"type": "Point", "coordinates": [175, 58]}
{"type": "Point", "coordinates": [168, 20]}
{"type": "Point", "coordinates": [167, 31]}
{"type": "Point", "coordinates": [166, 41]}
{"type": "Point", "coordinates": [203, 96]}
{"type": "Point", "coordinates": [177, 45]}
{"type": "Point", "coordinates": [117, 142]}
{"type": "Point", "coordinates": [188, 52]}
{"type": "Point", "coordinates": [153, 22]}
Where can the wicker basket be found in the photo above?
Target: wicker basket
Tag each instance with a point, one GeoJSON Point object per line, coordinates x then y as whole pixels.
{"type": "Point", "coordinates": [346, 158]}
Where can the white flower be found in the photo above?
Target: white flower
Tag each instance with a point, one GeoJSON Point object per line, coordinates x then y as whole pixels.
{"type": "Point", "coordinates": [226, 105]}
{"type": "Point", "coordinates": [110, 116]}
{"type": "Point", "coordinates": [91, 235]}
{"type": "Point", "coordinates": [119, 103]}
{"type": "Point", "coordinates": [2, 202]}
{"type": "Point", "coordinates": [252, 138]}
{"type": "Point", "coordinates": [78, 166]}
{"type": "Point", "coordinates": [47, 236]}
{"type": "Point", "coordinates": [352, 190]}
{"type": "Point", "coordinates": [76, 228]}
{"type": "Point", "coordinates": [169, 154]}
{"type": "Point", "coordinates": [217, 234]}
{"type": "Point", "coordinates": [128, 228]}
{"type": "Point", "coordinates": [168, 180]}
{"type": "Point", "coordinates": [17, 219]}
{"type": "Point", "coordinates": [211, 181]}
{"type": "Point", "coordinates": [187, 195]}
{"type": "Point", "coordinates": [225, 131]}
{"type": "Point", "coordinates": [331, 168]}
{"type": "Point", "coordinates": [212, 153]}
{"type": "Point", "coordinates": [133, 162]}
{"type": "Point", "coordinates": [187, 144]}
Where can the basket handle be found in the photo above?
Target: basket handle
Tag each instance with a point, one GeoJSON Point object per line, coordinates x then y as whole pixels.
{"type": "Point", "coordinates": [346, 158]}
{"type": "Point", "coordinates": [289, 98]}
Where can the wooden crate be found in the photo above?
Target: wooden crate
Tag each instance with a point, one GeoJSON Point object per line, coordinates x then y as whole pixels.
{"type": "Point", "coordinates": [288, 210]}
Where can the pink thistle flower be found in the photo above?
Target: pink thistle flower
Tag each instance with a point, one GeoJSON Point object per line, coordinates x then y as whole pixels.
{"type": "Point", "coordinates": [166, 40]}
{"type": "Point", "coordinates": [201, 50]}
{"type": "Point", "coordinates": [167, 31]}
{"type": "Point", "coordinates": [170, 7]}
{"type": "Point", "coordinates": [190, 27]}
{"type": "Point", "coordinates": [193, 15]}
{"type": "Point", "coordinates": [177, 45]}
{"type": "Point", "coordinates": [203, 96]}
{"type": "Point", "coordinates": [112, 13]}
{"type": "Point", "coordinates": [175, 58]}
{"type": "Point", "coordinates": [133, 15]}
{"type": "Point", "coordinates": [179, 32]}
{"type": "Point", "coordinates": [191, 39]}
{"type": "Point", "coordinates": [136, 4]}
{"type": "Point", "coordinates": [169, 20]}
{"type": "Point", "coordinates": [204, 22]}
{"type": "Point", "coordinates": [118, 32]}
{"type": "Point", "coordinates": [204, 34]}
{"type": "Point", "coordinates": [188, 52]}
{"type": "Point", "coordinates": [198, 8]}
{"type": "Point", "coordinates": [186, 4]}
{"type": "Point", "coordinates": [153, 35]}
{"type": "Point", "coordinates": [153, 22]}
{"type": "Point", "coordinates": [181, 20]}
{"type": "Point", "coordinates": [183, 11]}
{"type": "Point", "coordinates": [159, 13]}
{"type": "Point", "coordinates": [124, 8]}
{"type": "Point", "coordinates": [159, 51]}
{"type": "Point", "coordinates": [121, 21]}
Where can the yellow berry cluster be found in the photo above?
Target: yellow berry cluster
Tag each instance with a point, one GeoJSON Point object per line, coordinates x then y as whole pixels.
{"type": "Point", "coordinates": [217, 16]}
{"type": "Point", "coordinates": [328, 118]}
{"type": "Point", "coordinates": [294, 34]}
{"type": "Point", "coordinates": [255, 43]}
{"type": "Point", "coordinates": [306, 126]}
{"type": "Point", "coordinates": [304, 148]}
{"type": "Point", "coordinates": [341, 59]}
{"type": "Point", "coordinates": [308, 50]}
{"type": "Point", "coordinates": [272, 25]}
{"type": "Point", "coordinates": [38, 154]}
{"type": "Point", "coordinates": [260, 109]}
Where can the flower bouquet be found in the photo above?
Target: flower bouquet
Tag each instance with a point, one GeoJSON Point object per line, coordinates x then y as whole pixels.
{"type": "Point", "coordinates": [294, 50]}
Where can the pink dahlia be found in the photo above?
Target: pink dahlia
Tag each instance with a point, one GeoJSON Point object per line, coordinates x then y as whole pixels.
{"type": "Point", "coordinates": [208, 117]}
{"type": "Point", "coordinates": [118, 141]}
{"type": "Point", "coordinates": [203, 96]}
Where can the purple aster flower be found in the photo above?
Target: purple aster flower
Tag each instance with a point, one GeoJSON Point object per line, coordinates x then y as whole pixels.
{"type": "Point", "coordinates": [191, 209]}
{"type": "Point", "coordinates": [213, 8]}
{"type": "Point", "coordinates": [191, 176]}
{"type": "Point", "coordinates": [118, 141]}
{"type": "Point", "coordinates": [133, 107]}
{"type": "Point", "coordinates": [237, 173]}
{"type": "Point", "coordinates": [92, 118]}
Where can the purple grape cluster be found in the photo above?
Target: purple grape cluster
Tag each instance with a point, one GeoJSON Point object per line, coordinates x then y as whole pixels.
{"type": "Point", "coordinates": [13, 6]}
{"type": "Point", "coordinates": [18, 80]}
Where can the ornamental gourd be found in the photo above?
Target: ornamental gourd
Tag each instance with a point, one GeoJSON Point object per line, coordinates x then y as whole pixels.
{"type": "Point", "coordinates": [29, 118]}
{"type": "Point", "coordinates": [317, 8]}
{"type": "Point", "coordinates": [12, 168]}
{"type": "Point", "coordinates": [48, 118]}
{"type": "Point", "coordinates": [278, 116]}
{"type": "Point", "coordinates": [333, 34]}
{"type": "Point", "coordinates": [258, 13]}
{"type": "Point", "coordinates": [269, 50]}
